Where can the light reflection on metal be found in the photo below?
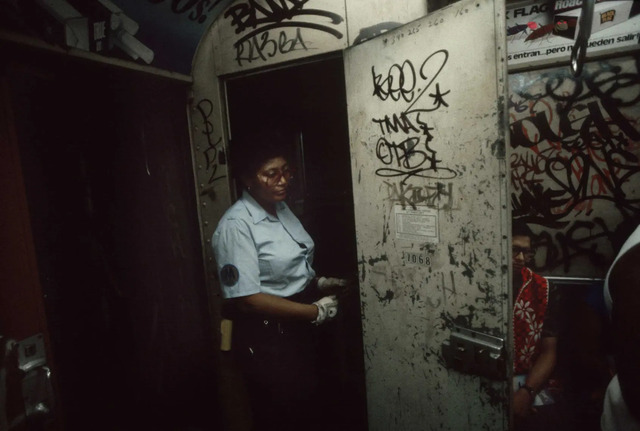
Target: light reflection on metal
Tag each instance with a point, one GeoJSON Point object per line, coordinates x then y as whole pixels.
{"type": "Point", "coordinates": [28, 358]}
{"type": "Point", "coordinates": [579, 50]}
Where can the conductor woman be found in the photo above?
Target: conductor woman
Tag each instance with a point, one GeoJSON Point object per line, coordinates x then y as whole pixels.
{"type": "Point", "coordinates": [264, 259]}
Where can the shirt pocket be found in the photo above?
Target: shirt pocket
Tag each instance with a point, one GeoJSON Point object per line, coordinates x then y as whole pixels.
{"type": "Point", "coordinates": [265, 268]}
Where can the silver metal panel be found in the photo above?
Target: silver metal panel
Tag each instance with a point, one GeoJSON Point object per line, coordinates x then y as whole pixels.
{"type": "Point", "coordinates": [427, 131]}
{"type": "Point", "coordinates": [370, 18]}
{"type": "Point", "coordinates": [208, 149]}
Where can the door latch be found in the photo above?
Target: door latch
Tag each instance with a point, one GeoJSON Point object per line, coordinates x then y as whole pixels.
{"type": "Point", "coordinates": [473, 352]}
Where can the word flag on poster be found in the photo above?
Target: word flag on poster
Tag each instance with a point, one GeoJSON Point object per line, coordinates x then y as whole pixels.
{"type": "Point", "coordinates": [541, 33]}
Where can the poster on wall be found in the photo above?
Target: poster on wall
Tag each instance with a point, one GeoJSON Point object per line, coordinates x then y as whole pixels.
{"type": "Point", "coordinates": [543, 32]}
{"type": "Point", "coordinates": [575, 162]}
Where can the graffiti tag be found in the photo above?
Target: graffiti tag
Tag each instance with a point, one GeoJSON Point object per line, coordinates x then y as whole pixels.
{"type": "Point", "coordinates": [259, 25]}
{"type": "Point", "coordinates": [412, 155]}
{"type": "Point", "coordinates": [439, 196]}
{"type": "Point", "coordinates": [197, 9]}
{"type": "Point", "coordinates": [264, 46]}
{"type": "Point", "coordinates": [575, 168]}
{"type": "Point", "coordinates": [205, 108]}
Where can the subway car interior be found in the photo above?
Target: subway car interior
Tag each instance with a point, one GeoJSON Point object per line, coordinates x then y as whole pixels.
{"type": "Point", "coordinates": [420, 136]}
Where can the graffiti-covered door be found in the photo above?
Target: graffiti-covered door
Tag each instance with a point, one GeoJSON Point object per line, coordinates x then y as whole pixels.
{"type": "Point", "coordinates": [427, 133]}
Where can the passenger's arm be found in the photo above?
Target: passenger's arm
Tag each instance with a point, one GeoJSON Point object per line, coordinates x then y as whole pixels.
{"type": "Point", "coordinates": [537, 377]}
{"type": "Point", "coordinates": [544, 365]}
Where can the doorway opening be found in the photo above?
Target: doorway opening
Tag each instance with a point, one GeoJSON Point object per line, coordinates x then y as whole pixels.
{"type": "Point", "coordinates": [308, 104]}
{"type": "Point", "coordinates": [104, 157]}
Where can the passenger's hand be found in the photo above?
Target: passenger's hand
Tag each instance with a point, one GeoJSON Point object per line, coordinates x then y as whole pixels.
{"type": "Point", "coordinates": [327, 309]}
{"type": "Point", "coordinates": [522, 403]}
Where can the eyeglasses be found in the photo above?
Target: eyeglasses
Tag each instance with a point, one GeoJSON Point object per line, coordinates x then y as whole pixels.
{"type": "Point", "coordinates": [528, 253]}
{"type": "Point", "coordinates": [272, 177]}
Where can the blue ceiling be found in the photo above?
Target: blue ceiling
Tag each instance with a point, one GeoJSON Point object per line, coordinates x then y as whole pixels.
{"type": "Point", "coordinates": [172, 28]}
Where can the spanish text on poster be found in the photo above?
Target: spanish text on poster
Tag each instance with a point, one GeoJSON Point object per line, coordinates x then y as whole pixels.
{"type": "Point", "coordinates": [543, 32]}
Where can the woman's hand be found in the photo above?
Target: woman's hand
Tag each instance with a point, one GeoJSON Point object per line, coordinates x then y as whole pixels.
{"type": "Point", "coordinates": [327, 309]}
{"type": "Point", "coordinates": [336, 286]}
{"type": "Point", "coordinates": [328, 282]}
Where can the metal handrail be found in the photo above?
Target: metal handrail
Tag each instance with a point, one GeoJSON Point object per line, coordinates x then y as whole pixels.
{"type": "Point", "coordinates": [579, 49]}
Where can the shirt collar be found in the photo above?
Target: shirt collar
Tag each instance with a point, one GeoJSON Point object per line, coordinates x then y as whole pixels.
{"type": "Point", "coordinates": [255, 209]}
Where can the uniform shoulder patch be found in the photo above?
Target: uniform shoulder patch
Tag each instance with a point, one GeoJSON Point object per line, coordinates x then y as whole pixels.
{"type": "Point", "coordinates": [229, 275]}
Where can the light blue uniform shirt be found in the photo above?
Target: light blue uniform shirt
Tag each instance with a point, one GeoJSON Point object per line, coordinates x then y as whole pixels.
{"type": "Point", "coordinates": [257, 252]}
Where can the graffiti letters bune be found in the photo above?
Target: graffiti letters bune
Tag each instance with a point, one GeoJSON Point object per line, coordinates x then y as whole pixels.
{"type": "Point", "coordinates": [575, 168]}
{"type": "Point", "coordinates": [275, 27]}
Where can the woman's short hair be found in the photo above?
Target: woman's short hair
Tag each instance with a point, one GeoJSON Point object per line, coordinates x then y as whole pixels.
{"type": "Point", "coordinates": [249, 151]}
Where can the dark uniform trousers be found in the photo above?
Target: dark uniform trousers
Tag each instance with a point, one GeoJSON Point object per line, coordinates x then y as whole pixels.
{"type": "Point", "coordinates": [278, 362]}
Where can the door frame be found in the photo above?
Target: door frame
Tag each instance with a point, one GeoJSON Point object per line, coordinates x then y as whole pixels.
{"type": "Point", "coordinates": [209, 136]}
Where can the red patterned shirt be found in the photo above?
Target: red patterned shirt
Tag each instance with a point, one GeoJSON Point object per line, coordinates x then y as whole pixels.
{"type": "Point", "coordinates": [528, 319]}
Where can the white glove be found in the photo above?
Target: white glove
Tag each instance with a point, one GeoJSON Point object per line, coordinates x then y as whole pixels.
{"type": "Point", "coordinates": [327, 282]}
{"type": "Point", "coordinates": [327, 309]}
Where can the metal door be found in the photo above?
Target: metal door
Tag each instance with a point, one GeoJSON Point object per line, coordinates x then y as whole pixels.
{"type": "Point", "coordinates": [427, 133]}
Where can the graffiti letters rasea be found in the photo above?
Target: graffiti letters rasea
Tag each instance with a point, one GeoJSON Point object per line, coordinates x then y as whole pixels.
{"type": "Point", "coordinates": [575, 165]}
{"type": "Point", "coordinates": [270, 28]}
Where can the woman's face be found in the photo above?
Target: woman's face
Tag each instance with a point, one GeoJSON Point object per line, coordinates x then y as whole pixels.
{"type": "Point", "coordinates": [269, 184]}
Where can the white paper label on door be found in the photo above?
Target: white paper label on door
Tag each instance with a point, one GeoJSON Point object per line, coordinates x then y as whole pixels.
{"type": "Point", "coordinates": [417, 224]}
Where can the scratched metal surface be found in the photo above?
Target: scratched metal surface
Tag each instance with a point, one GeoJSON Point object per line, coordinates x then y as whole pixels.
{"type": "Point", "coordinates": [444, 151]}
{"type": "Point", "coordinates": [208, 149]}
{"type": "Point", "coordinates": [367, 19]}
{"type": "Point", "coordinates": [575, 166]}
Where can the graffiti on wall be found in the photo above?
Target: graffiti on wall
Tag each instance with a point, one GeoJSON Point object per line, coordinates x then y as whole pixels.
{"type": "Point", "coordinates": [213, 151]}
{"type": "Point", "coordinates": [575, 168]}
{"type": "Point", "coordinates": [272, 28]}
{"type": "Point", "coordinates": [405, 148]}
{"type": "Point", "coordinates": [438, 195]}
{"type": "Point", "coordinates": [196, 10]}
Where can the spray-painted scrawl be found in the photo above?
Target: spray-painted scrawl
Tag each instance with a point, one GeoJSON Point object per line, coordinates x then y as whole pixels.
{"type": "Point", "coordinates": [575, 168]}
{"type": "Point", "coordinates": [213, 150]}
{"type": "Point", "coordinates": [405, 146]}
{"type": "Point", "coordinates": [268, 29]}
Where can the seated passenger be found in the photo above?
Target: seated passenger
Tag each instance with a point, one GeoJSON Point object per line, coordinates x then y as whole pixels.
{"type": "Point", "coordinates": [535, 337]}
